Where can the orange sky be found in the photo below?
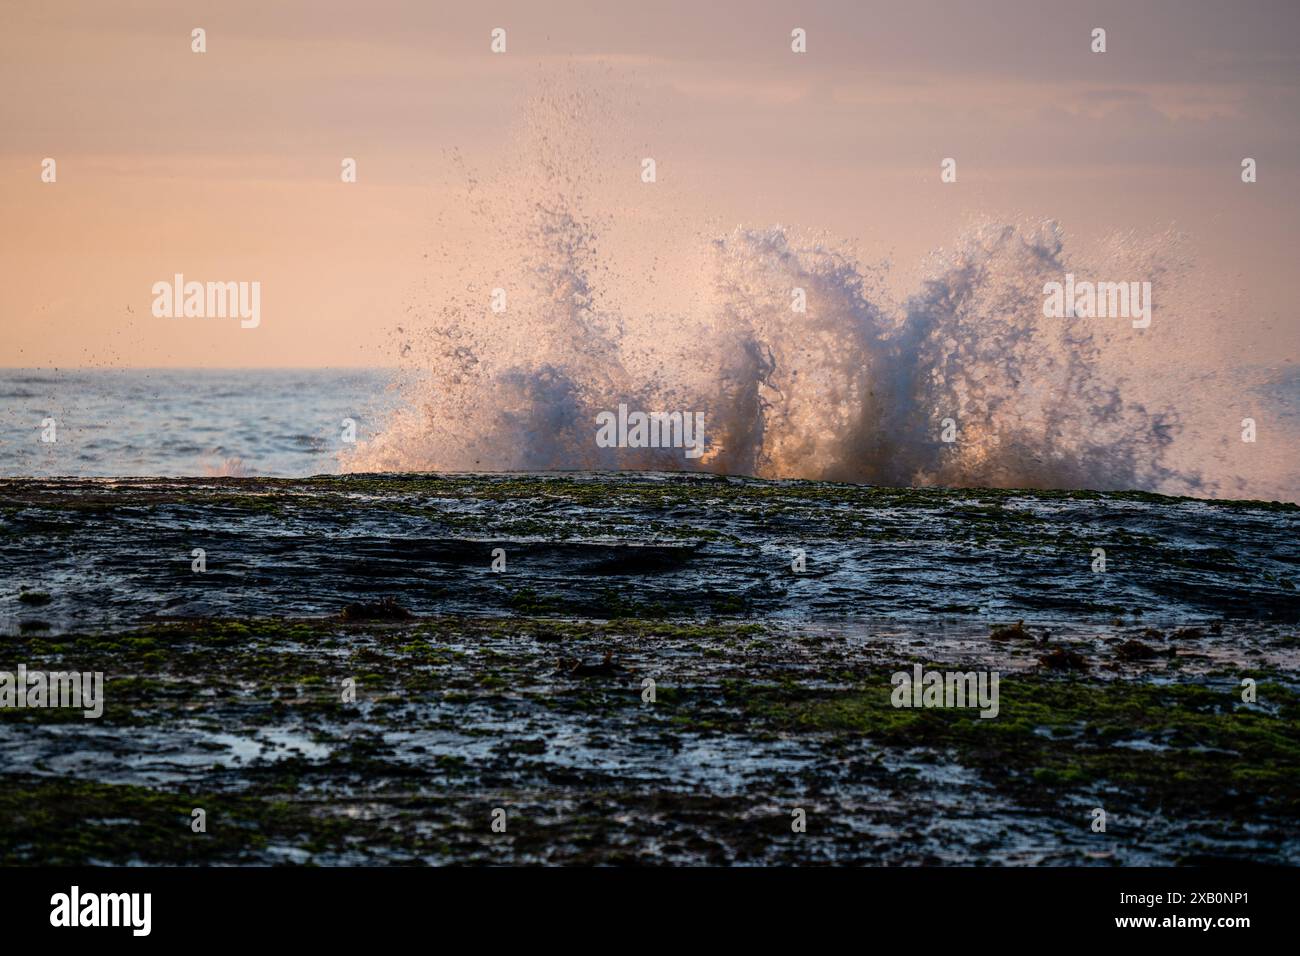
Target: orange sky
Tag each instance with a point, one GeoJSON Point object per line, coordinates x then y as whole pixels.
{"type": "Point", "coordinates": [225, 165]}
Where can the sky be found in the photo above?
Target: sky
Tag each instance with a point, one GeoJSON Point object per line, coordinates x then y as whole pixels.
{"type": "Point", "coordinates": [225, 165]}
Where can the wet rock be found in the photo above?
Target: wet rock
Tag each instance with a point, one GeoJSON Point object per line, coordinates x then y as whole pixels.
{"type": "Point", "coordinates": [1136, 651]}
{"type": "Point", "coordinates": [1011, 632]}
{"type": "Point", "coordinates": [1064, 660]}
{"type": "Point", "coordinates": [386, 609]}
{"type": "Point", "coordinates": [606, 668]}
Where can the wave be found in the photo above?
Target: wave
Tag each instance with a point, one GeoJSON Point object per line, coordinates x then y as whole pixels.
{"type": "Point", "coordinates": [860, 387]}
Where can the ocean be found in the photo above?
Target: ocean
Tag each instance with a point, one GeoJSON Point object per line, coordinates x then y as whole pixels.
{"type": "Point", "coordinates": [293, 423]}
{"type": "Point", "coordinates": [114, 423]}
